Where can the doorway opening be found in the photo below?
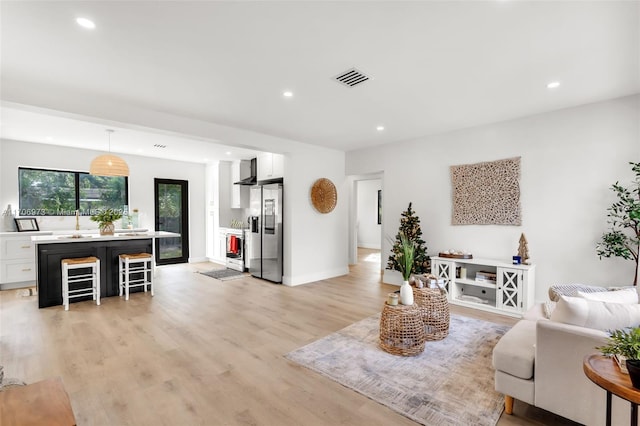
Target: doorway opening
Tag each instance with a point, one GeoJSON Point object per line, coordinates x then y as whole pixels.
{"type": "Point", "coordinates": [366, 222]}
{"type": "Point", "coordinates": [172, 215]}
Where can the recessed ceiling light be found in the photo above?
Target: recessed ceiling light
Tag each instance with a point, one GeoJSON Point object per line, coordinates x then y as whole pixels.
{"type": "Point", "coordinates": [49, 138]}
{"type": "Point", "coordinates": [205, 159]}
{"type": "Point", "coordinates": [228, 152]}
{"type": "Point", "coordinates": [287, 94]}
{"type": "Point", "coordinates": [553, 85]}
{"type": "Point", "coordinates": [86, 23]}
{"type": "Point", "coordinates": [380, 128]}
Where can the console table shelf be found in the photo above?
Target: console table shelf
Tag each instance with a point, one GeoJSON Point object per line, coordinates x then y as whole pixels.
{"type": "Point", "coordinates": [512, 293]}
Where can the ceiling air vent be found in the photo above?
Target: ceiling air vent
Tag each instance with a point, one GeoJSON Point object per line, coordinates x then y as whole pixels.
{"type": "Point", "coordinates": [351, 77]}
{"type": "Point", "coordinates": [159, 145]}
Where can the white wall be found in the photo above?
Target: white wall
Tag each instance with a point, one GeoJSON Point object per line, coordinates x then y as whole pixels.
{"type": "Point", "coordinates": [143, 170]}
{"type": "Point", "coordinates": [570, 158]}
{"type": "Point", "coordinates": [369, 232]}
{"type": "Point", "coordinates": [315, 244]}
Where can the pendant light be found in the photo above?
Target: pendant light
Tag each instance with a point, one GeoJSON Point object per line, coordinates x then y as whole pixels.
{"type": "Point", "coordinates": [108, 164]}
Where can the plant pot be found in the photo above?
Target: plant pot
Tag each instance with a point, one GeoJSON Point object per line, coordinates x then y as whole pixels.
{"type": "Point", "coordinates": [633, 365]}
{"type": "Point", "coordinates": [406, 293]}
{"type": "Point", "coordinates": [107, 228]}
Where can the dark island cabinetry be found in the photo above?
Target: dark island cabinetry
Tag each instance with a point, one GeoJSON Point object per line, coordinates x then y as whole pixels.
{"type": "Point", "coordinates": [50, 272]}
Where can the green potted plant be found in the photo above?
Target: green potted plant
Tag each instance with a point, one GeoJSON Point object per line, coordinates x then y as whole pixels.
{"type": "Point", "coordinates": [105, 219]}
{"type": "Point", "coordinates": [626, 343]}
{"type": "Point", "coordinates": [623, 238]}
{"type": "Point", "coordinates": [405, 258]}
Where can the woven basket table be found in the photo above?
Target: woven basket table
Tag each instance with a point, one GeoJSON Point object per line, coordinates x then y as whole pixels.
{"type": "Point", "coordinates": [434, 309]}
{"type": "Point", "coordinates": [402, 330]}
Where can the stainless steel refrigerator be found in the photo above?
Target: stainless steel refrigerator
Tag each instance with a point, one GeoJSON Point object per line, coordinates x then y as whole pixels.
{"type": "Point", "coordinates": [265, 245]}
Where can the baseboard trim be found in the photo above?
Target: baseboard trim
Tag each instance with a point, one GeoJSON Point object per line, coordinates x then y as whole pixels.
{"type": "Point", "coordinates": [375, 246]}
{"type": "Point", "coordinates": [21, 284]}
{"type": "Point", "coordinates": [310, 278]}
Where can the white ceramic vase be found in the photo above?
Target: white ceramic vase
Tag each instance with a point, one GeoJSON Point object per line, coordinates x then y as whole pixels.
{"type": "Point", "coordinates": [406, 293]}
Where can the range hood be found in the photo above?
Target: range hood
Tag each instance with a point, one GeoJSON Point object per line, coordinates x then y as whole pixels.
{"type": "Point", "coordinates": [252, 179]}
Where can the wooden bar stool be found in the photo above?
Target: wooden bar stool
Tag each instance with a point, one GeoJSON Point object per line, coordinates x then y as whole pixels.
{"type": "Point", "coordinates": [82, 284]}
{"type": "Point", "coordinates": [135, 270]}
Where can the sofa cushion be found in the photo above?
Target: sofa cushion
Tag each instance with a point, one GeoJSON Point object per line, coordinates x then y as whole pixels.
{"type": "Point", "coordinates": [557, 290]}
{"type": "Point", "coordinates": [596, 315]}
{"type": "Point", "coordinates": [515, 352]}
{"type": "Point", "coordinates": [625, 295]}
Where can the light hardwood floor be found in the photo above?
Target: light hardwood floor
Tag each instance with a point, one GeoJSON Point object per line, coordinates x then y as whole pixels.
{"type": "Point", "coordinates": [206, 352]}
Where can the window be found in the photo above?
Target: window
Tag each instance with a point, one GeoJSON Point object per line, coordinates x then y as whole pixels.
{"type": "Point", "coordinates": [61, 193]}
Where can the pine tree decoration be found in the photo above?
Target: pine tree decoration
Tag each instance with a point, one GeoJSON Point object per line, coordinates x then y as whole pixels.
{"type": "Point", "coordinates": [523, 249]}
{"type": "Point", "coordinates": [410, 226]}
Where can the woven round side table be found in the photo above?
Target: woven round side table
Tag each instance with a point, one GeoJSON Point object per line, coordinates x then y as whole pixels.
{"type": "Point", "coordinates": [402, 330]}
{"type": "Point", "coordinates": [434, 309]}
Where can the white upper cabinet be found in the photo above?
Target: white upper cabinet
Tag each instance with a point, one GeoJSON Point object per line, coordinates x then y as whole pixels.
{"type": "Point", "coordinates": [270, 166]}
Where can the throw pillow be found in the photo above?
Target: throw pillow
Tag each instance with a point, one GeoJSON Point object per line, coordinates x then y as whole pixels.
{"type": "Point", "coordinates": [627, 295]}
{"type": "Point", "coordinates": [597, 315]}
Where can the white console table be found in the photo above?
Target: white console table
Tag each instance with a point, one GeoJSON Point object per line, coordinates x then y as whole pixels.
{"type": "Point", "coordinates": [512, 293]}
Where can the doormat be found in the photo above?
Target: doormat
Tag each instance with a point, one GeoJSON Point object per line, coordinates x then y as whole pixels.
{"type": "Point", "coordinates": [450, 383]}
{"type": "Point", "coordinates": [224, 274]}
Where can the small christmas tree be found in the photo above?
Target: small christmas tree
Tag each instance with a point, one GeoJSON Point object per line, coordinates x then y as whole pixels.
{"type": "Point", "coordinates": [523, 249]}
{"type": "Point", "coordinates": [410, 227]}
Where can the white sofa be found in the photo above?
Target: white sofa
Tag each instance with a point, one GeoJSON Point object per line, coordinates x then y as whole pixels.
{"type": "Point", "coordinates": [539, 361]}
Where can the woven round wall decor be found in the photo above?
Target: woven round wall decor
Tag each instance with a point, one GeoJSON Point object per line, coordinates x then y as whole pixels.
{"type": "Point", "coordinates": [324, 195]}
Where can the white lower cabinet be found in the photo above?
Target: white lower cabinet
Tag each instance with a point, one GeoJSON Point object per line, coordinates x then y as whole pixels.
{"type": "Point", "coordinates": [222, 245]}
{"type": "Point", "coordinates": [485, 284]}
{"type": "Point", "coordinates": [17, 260]}
{"type": "Point", "coordinates": [14, 271]}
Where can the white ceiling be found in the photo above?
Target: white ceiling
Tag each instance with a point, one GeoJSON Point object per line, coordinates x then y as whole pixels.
{"type": "Point", "coordinates": [35, 126]}
{"type": "Point", "coordinates": [436, 66]}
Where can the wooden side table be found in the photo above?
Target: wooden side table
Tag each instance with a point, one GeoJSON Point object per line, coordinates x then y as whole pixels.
{"type": "Point", "coordinates": [402, 330]}
{"type": "Point", "coordinates": [41, 403]}
{"type": "Point", "coordinates": [604, 372]}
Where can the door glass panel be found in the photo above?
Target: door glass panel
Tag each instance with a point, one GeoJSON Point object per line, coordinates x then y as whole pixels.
{"type": "Point", "coordinates": [170, 216]}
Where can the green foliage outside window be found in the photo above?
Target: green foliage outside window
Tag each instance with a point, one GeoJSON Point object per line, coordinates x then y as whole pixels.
{"type": "Point", "coordinates": [46, 193]}
{"type": "Point", "coordinates": [101, 192]}
{"type": "Point", "coordinates": [61, 193]}
{"type": "Point", "coordinates": [170, 200]}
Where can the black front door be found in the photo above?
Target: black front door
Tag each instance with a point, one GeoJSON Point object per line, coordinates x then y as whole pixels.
{"type": "Point", "coordinates": [172, 215]}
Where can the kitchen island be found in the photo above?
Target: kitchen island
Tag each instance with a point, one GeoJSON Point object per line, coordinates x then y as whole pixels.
{"type": "Point", "coordinates": [51, 249]}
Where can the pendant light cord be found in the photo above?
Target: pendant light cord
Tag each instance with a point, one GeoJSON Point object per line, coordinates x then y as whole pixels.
{"type": "Point", "coordinates": [109, 131]}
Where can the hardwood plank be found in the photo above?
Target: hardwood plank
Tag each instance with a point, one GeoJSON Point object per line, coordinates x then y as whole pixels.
{"type": "Point", "coordinates": [203, 351]}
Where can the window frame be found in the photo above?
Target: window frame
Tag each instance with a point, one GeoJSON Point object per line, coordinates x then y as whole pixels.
{"type": "Point", "coordinates": [76, 183]}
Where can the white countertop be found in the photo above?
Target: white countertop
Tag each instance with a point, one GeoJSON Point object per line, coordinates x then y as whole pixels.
{"type": "Point", "coordinates": [236, 231]}
{"type": "Point", "coordinates": [90, 237]}
{"type": "Point", "coordinates": [25, 233]}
